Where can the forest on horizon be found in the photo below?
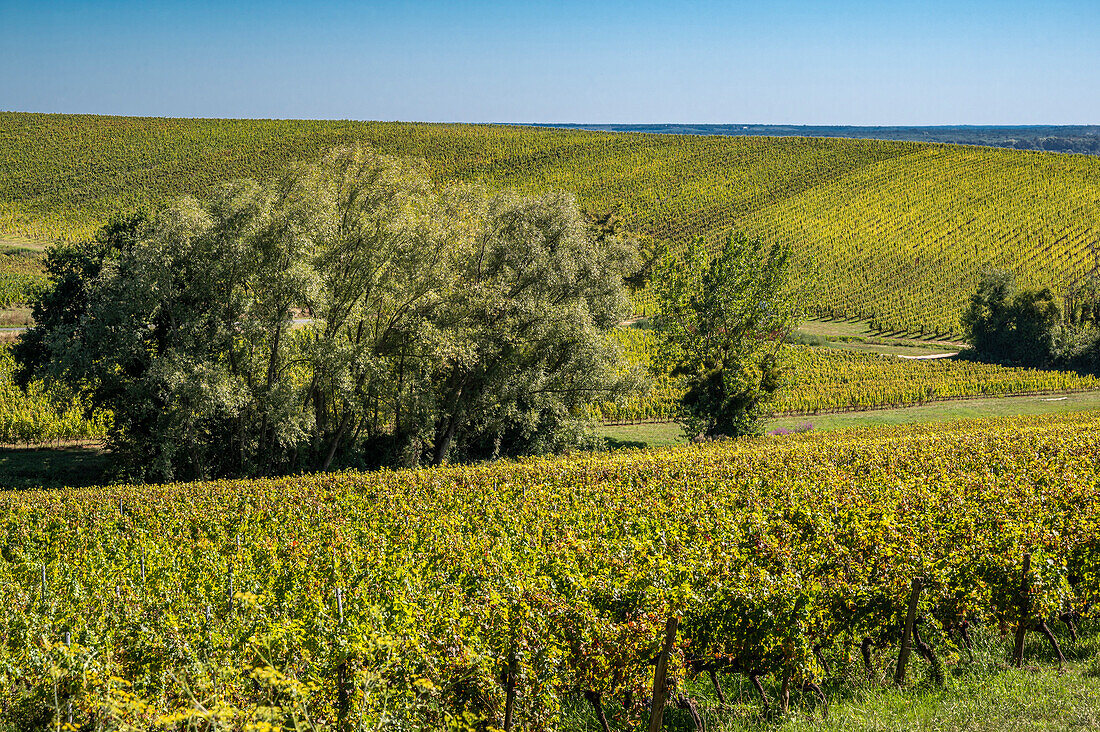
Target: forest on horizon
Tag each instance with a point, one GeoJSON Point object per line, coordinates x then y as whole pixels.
{"type": "Point", "coordinates": [1082, 139]}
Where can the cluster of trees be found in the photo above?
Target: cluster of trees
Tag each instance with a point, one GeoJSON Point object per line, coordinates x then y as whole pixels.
{"type": "Point", "coordinates": [352, 312]}
{"type": "Point", "coordinates": [1020, 327]}
{"type": "Point", "coordinates": [356, 313]}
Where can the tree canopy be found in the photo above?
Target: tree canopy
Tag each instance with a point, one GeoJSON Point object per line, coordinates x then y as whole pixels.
{"type": "Point", "coordinates": [352, 312]}
{"type": "Point", "coordinates": [1006, 325]}
{"type": "Point", "coordinates": [722, 318]}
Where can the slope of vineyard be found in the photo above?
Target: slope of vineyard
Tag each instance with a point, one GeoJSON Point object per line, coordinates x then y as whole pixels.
{"type": "Point", "coordinates": [437, 599]}
{"type": "Point", "coordinates": [830, 380]}
{"type": "Point", "coordinates": [21, 274]}
{"type": "Point", "coordinates": [916, 229]}
{"type": "Point", "coordinates": [890, 231]}
{"type": "Point", "coordinates": [38, 415]}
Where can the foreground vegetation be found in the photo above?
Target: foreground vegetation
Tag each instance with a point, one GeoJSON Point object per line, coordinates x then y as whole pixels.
{"type": "Point", "coordinates": [980, 693]}
{"type": "Point", "coordinates": [445, 597]}
{"type": "Point", "coordinates": [891, 231]}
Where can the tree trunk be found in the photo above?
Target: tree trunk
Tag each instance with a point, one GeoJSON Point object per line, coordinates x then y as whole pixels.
{"type": "Point", "coordinates": [1025, 608]}
{"type": "Point", "coordinates": [443, 441]}
{"type": "Point", "coordinates": [343, 699]}
{"type": "Point", "coordinates": [509, 691]}
{"type": "Point", "coordinates": [820, 695]}
{"type": "Point", "coordinates": [717, 686]}
{"type": "Point", "coordinates": [596, 701]}
{"type": "Point", "coordinates": [273, 358]}
{"type": "Point", "coordinates": [272, 361]}
{"type": "Point", "coordinates": [929, 655]}
{"type": "Point", "coordinates": [907, 631]}
{"type": "Point", "coordinates": [755, 679]}
{"type": "Point", "coordinates": [1068, 619]}
{"type": "Point", "coordinates": [821, 659]}
{"type": "Point", "coordinates": [660, 683]}
{"type": "Point", "coordinates": [336, 440]}
{"type": "Point", "coordinates": [445, 435]}
{"type": "Point", "coordinates": [965, 633]}
{"type": "Point", "coordinates": [683, 702]}
{"type": "Point", "coordinates": [1042, 626]}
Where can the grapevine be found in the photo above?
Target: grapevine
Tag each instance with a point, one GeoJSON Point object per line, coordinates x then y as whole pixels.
{"type": "Point", "coordinates": [893, 232]}
{"type": "Point", "coordinates": [418, 598]}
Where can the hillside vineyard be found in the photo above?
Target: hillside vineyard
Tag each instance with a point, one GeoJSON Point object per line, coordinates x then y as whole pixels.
{"type": "Point", "coordinates": [892, 232]}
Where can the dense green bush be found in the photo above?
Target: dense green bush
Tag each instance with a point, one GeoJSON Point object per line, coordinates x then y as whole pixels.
{"type": "Point", "coordinates": [1027, 328]}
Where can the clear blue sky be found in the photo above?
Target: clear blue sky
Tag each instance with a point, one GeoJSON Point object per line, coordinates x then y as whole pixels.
{"type": "Point", "coordinates": [790, 61]}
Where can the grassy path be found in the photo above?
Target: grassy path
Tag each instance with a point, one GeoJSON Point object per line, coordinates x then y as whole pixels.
{"type": "Point", "coordinates": [658, 434]}
{"type": "Point", "coordinates": [10, 241]}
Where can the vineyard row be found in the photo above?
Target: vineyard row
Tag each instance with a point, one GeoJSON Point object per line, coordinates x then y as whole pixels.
{"type": "Point", "coordinates": [485, 595]}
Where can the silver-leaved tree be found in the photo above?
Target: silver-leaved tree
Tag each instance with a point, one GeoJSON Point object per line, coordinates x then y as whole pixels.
{"type": "Point", "coordinates": [352, 312]}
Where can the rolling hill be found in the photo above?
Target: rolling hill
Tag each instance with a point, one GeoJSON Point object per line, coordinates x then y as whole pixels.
{"type": "Point", "coordinates": [894, 232]}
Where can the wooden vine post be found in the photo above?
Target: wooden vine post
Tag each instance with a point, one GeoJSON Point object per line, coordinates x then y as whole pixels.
{"type": "Point", "coordinates": [660, 685]}
{"type": "Point", "coordinates": [510, 690]}
{"type": "Point", "coordinates": [1025, 609]}
{"type": "Point", "coordinates": [907, 632]}
{"type": "Point", "coordinates": [343, 699]}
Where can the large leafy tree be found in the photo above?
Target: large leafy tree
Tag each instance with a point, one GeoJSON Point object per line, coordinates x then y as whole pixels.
{"type": "Point", "coordinates": [1004, 324]}
{"type": "Point", "coordinates": [353, 311]}
{"type": "Point", "coordinates": [1007, 325]}
{"type": "Point", "coordinates": [72, 267]}
{"type": "Point", "coordinates": [722, 317]}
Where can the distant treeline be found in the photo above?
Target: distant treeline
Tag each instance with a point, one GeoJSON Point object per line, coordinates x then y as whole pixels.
{"type": "Point", "coordinates": [1051, 138]}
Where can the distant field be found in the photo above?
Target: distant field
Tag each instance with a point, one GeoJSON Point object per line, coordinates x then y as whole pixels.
{"type": "Point", "coordinates": [21, 276]}
{"type": "Point", "coordinates": [663, 434]}
{"type": "Point", "coordinates": [41, 414]}
{"type": "Point", "coordinates": [860, 336]}
{"type": "Point", "coordinates": [822, 379]}
{"type": "Point", "coordinates": [892, 232]}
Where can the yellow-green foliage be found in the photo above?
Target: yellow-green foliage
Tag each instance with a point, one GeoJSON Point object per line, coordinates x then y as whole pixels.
{"type": "Point", "coordinates": [36, 415]}
{"type": "Point", "coordinates": [21, 275]}
{"type": "Point", "coordinates": [826, 379]}
{"type": "Point", "coordinates": [655, 403]}
{"type": "Point", "coordinates": [915, 230]}
{"type": "Point", "coordinates": [891, 231]}
{"type": "Point", "coordinates": [222, 604]}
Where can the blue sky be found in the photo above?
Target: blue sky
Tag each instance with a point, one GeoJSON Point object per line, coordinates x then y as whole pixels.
{"type": "Point", "coordinates": [789, 61]}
